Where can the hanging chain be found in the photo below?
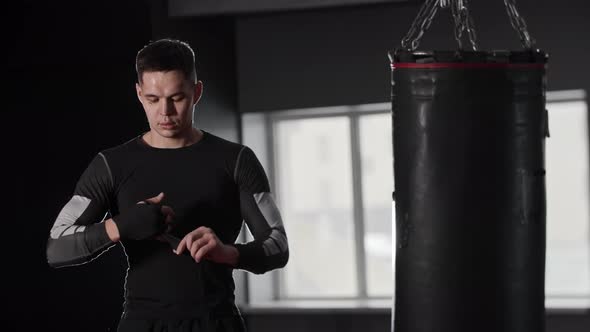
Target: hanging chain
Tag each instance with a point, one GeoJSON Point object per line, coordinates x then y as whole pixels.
{"type": "Point", "coordinates": [463, 22]}
{"type": "Point", "coordinates": [519, 24]}
{"type": "Point", "coordinates": [459, 23]}
{"type": "Point", "coordinates": [470, 26]}
{"type": "Point", "coordinates": [462, 19]}
{"type": "Point", "coordinates": [421, 23]}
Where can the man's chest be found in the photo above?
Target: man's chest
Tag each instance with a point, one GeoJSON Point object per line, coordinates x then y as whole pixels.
{"type": "Point", "coordinates": [200, 193]}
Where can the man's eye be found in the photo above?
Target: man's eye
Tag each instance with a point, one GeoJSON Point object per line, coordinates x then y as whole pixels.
{"type": "Point", "coordinates": [177, 99]}
{"type": "Point", "coordinates": [152, 101]}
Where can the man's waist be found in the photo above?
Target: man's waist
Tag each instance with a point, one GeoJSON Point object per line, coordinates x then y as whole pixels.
{"type": "Point", "coordinates": [135, 308]}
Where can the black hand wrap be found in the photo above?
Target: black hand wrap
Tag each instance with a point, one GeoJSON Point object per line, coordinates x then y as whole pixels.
{"type": "Point", "coordinates": [140, 222]}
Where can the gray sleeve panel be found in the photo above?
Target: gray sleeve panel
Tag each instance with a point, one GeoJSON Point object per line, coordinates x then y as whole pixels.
{"type": "Point", "coordinates": [277, 239]}
{"type": "Point", "coordinates": [79, 248]}
{"type": "Point", "coordinates": [269, 250]}
{"type": "Point", "coordinates": [78, 234]}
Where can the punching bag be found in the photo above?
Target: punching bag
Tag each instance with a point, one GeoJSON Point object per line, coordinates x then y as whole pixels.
{"type": "Point", "coordinates": [468, 140]}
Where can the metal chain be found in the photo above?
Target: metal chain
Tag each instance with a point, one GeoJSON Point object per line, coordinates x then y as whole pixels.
{"type": "Point", "coordinates": [421, 23]}
{"type": "Point", "coordinates": [461, 17]}
{"type": "Point", "coordinates": [470, 26]}
{"type": "Point", "coordinates": [519, 24]}
{"type": "Point", "coordinates": [459, 26]}
{"type": "Point", "coordinates": [463, 22]}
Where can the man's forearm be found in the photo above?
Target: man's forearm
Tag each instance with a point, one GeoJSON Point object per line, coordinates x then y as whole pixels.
{"type": "Point", "coordinates": [78, 244]}
{"type": "Point", "coordinates": [232, 255]}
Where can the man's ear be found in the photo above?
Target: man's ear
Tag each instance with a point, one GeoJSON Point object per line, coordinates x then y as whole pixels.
{"type": "Point", "coordinates": [138, 91]}
{"type": "Point", "coordinates": [198, 92]}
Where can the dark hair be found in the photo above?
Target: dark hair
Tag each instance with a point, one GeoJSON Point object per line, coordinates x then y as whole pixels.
{"type": "Point", "coordinates": [166, 55]}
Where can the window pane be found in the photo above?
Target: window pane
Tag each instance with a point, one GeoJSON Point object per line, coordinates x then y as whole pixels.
{"type": "Point", "coordinates": [314, 181]}
{"type": "Point", "coordinates": [377, 179]}
{"type": "Point", "coordinates": [568, 247]}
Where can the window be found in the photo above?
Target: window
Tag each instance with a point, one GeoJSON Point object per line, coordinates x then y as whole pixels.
{"type": "Point", "coordinates": [377, 185]}
{"type": "Point", "coordinates": [567, 278]}
{"type": "Point", "coordinates": [331, 169]}
{"type": "Point", "coordinates": [332, 172]}
{"type": "Point", "coordinates": [313, 178]}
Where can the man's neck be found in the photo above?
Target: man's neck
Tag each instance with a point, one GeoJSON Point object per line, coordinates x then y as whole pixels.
{"type": "Point", "coordinates": [191, 137]}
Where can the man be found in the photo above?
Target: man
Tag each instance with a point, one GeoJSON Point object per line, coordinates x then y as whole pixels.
{"type": "Point", "coordinates": [175, 197]}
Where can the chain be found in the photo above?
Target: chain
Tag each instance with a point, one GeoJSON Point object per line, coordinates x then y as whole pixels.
{"type": "Point", "coordinates": [463, 22]}
{"type": "Point", "coordinates": [470, 26]}
{"type": "Point", "coordinates": [459, 26]}
{"type": "Point", "coordinates": [461, 17]}
{"type": "Point", "coordinates": [519, 24]}
{"type": "Point", "coordinates": [421, 23]}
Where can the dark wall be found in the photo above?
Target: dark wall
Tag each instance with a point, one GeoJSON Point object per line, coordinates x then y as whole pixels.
{"type": "Point", "coordinates": [339, 57]}
{"type": "Point", "coordinates": [74, 76]}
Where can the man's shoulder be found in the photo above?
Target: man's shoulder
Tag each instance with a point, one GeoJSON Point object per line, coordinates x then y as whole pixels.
{"type": "Point", "coordinates": [223, 145]}
{"type": "Point", "coordinates": [121, 150]}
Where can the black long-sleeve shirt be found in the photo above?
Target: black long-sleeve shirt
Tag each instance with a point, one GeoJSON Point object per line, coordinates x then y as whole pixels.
{"type": "Point", "coordinates": [213, 183]}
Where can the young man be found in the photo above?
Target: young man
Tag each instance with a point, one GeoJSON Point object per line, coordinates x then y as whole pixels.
{"type": "Point", "coordinates": [177, 196]}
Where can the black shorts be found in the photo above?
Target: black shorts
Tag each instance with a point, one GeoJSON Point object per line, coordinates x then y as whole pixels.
{"type": "Point", "coordinates": [233, 323]}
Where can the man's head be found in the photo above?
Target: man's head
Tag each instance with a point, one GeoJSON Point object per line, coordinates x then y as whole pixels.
{"type": "Point", "coordinates": [167, 86]}
{"type": "Point", "coordinates": [166, 55]}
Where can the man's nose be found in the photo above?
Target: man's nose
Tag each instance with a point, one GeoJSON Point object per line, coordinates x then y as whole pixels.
{"type": "Point", "coordinates": [167, 108]}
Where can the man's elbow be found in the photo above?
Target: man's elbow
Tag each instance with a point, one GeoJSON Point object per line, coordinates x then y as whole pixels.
{"type": "Point", "coordinates": [52, 252]}
{"type": "Point", "coordinates": [271, 263]}
{"type": "Point", "coordinates": [279, 261]}
{"type": "Point", "coordinates": [57, 254]}
{"type": "Point", "coordinates": [284, 260]}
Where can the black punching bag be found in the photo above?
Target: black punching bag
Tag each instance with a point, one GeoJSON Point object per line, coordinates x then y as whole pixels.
{"type": "Point", "coordinates": [468, 136]}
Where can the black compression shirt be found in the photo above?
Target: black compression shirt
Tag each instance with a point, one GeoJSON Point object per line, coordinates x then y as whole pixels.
{"type": "Point", "coordinates": [213, 183]}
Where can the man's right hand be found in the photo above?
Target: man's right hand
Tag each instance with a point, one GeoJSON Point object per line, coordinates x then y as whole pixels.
{"type": "Point", "coordinates": [144, 220]}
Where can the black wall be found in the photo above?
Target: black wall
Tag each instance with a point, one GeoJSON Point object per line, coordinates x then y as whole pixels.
{"type": "Point", "coordinates": [74, 76]}
{"type": "Point", "coordinates": [339, 56]}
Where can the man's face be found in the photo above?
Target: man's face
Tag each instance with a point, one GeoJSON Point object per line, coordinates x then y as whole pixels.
{"type": "Point", "coordinates": [168, 99]}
